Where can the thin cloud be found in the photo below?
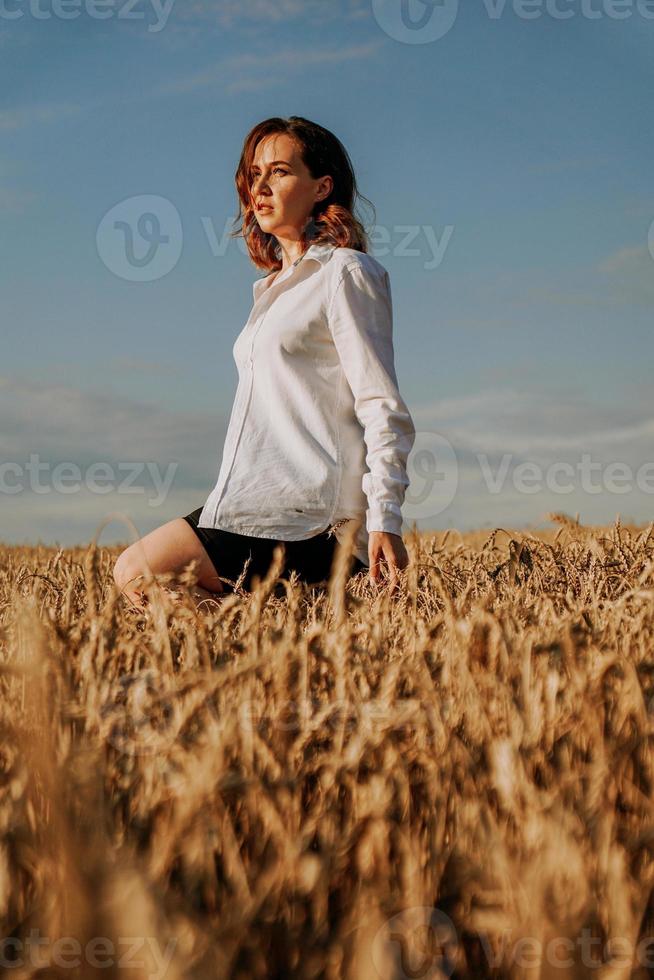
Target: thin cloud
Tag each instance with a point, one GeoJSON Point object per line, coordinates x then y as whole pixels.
{"type": "Point", "coordinates": [15, 201]}
{"type": "Point", "coordinates": [484, 323]}
{"type": "Point", "coordinates": [639, 208]}
{"type": "Point", "coordinates": [196, 19]}
{"type": "Point", "coordinates": [538, 425]}
{"type": "Point", "coordinates": [14, 39]}
{"type": "Point", "coordinates": [623, 278]}
{"type": "Point", "coordinates": [251, 85]}
{"type": "Point", "coordinates": [462, 405]}
{"type": "Point", "coordinates": [630, 257]}
{"type": "Point", "coordinates": [69, 520]}
{"type": "Point", "coordinates": [164, 464]}
{"type": "Point", "coordinates": [494, 432]}
{"type": "Point", "coordinates": [230, 12]}
{"type": "Point", "coordinates": [563, 165]}
{"type": "Point", "coordinates": [62, 423]}
{"type": "Point", "coordinates": [140, 366]}
{"type": "Point", "coordinates": [629, 272]}
{"type": "Point", "coordinates": [34, 114]}
{"type": "Point", "coordinates": [242, 69]}
{"type": "Point", "coordinates": [558, 296]}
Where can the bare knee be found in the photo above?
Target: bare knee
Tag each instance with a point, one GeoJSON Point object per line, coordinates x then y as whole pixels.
{"type": "Point", "coordinates": [166, 550]}
{"type": "Point", "coordinates": [126, 569]}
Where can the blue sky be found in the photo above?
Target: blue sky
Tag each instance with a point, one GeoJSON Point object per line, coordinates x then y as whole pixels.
{"type": "Point", "coordinates": [509, 160]}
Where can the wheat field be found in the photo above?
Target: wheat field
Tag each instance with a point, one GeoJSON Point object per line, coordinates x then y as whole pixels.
{"type": "Point", "coordinates": [455, 779]}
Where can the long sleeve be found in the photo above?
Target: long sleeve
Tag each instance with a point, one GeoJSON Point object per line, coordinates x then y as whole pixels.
{"type": "Point", "coordinates": [360, 320]}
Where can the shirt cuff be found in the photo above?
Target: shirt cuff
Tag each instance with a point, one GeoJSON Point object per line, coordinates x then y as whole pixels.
{"type": "Point", "coordinates": [384, 519]}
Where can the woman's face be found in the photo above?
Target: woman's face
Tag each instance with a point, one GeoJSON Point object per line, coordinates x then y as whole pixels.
{"type": "Point", "coordinates": [281, 180]}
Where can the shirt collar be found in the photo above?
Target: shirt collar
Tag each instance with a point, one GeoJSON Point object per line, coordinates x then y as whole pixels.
{"type": "Point", "coordinates": [319, 251]}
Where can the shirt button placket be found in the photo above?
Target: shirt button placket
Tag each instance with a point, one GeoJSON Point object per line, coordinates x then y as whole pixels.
{"type": "Point", "coordinates": [242, 421]}
{"type": "Point", "coordinates": [255, 330]}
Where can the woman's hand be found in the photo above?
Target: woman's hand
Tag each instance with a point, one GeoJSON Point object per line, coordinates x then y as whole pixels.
{"type": "Point", "coordinates": [386, 550]}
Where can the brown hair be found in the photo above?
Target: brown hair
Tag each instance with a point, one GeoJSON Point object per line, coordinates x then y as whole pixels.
{"type": "Point", "coordinates": [332, 221]}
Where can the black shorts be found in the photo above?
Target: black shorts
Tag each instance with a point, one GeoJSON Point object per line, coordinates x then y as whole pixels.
{"type": "Point", "coordinates": [228, 552]}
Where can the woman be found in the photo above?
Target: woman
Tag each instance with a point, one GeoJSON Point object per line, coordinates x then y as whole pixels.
{"type": "Point", "coordinates": [319, 435]}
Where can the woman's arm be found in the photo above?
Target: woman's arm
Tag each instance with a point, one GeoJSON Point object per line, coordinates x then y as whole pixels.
{"type": "Point", "coordinates": [360, 319]}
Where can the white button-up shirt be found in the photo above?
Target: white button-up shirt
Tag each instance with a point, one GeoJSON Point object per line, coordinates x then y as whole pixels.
{"type": "Point", "coordinates": [318, 431]}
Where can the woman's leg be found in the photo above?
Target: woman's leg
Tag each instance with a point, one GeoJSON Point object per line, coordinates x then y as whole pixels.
{"type": "Point", "coordinates": [168, 548]}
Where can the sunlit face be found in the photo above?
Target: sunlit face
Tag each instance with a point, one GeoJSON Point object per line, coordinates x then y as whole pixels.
{"type": "Point", "coordinates": [280, 178]}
